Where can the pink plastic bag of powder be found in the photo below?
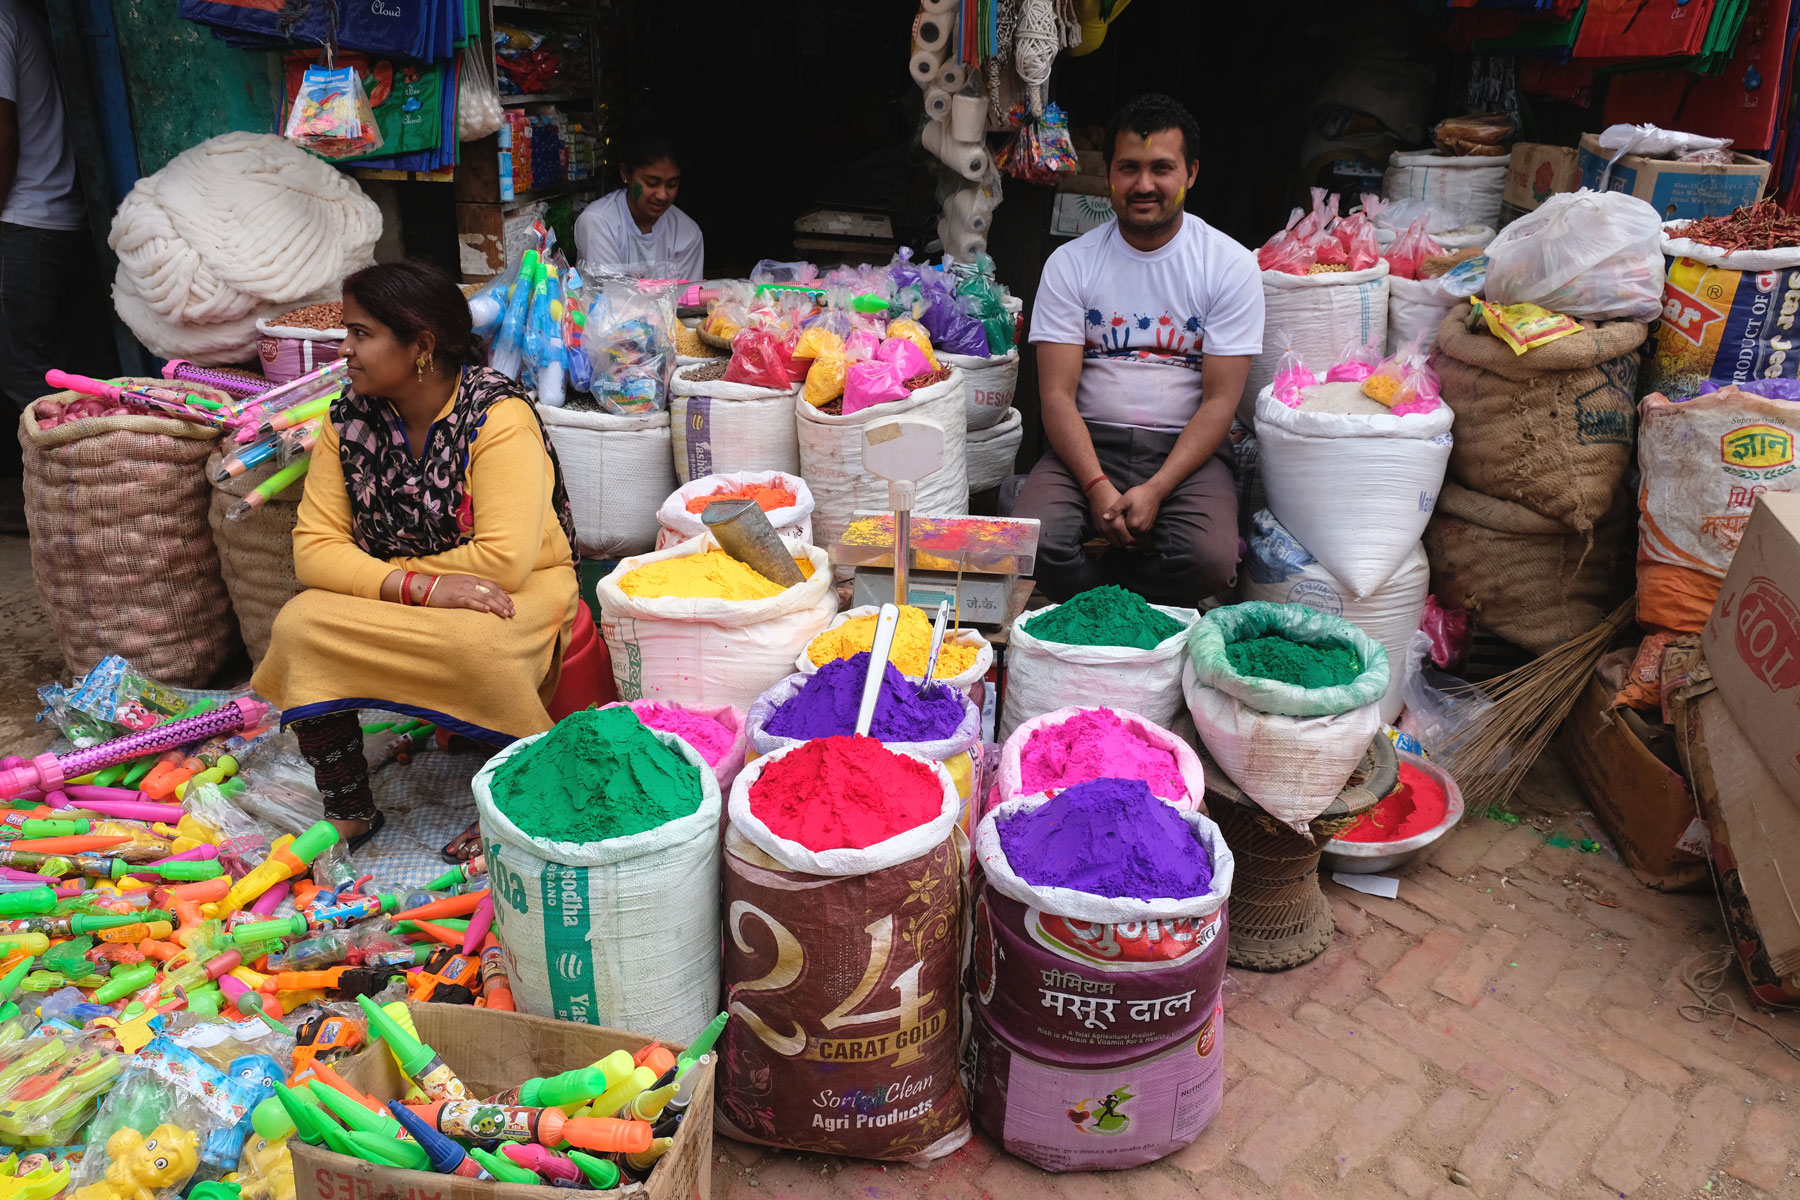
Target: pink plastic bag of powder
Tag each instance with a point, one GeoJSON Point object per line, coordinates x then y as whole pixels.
{"type": "Point", "coordinates": [1292, 375]}
{"type": "Point", "coordinates": [1355, 363]}
{"type": "Point", "coordinates": [872, 383]}
{"type": "Point", "coordinates": [861, 345]}
{"type": "Point", "coordinates": [1419, 391]}
{"type": "Point", "coordinates": [905, 356]}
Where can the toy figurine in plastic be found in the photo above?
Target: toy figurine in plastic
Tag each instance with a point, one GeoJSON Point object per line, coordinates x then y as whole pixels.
{"type": "Point", "coordinates": [31, 1178]}
{"type": "Point", "coordinates": [140, 1166]}
{"type": "Point", "coordinates": [265, 1172]}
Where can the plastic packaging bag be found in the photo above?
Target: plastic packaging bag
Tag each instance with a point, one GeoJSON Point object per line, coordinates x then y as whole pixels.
{"type": "Point", "coordinates": [1419, 389]}
{"type": "Point", "coordinates": [1448, 630]}
{"type": "Point", "coordinates": [905, 357]}
{"type": "Point", "coordinates": [1362, 247]}
{"type": "Point", "coordinates": [1411, 249]}
{"type": "Point", "coordinates": [759, 359]}
{"type": "Point", "coordinates": [912, 331]}
{"type": "Point", "coordinates": [1596, 256]}
{"type": "Point", "coordinates": [1286, 252]}
{"type": "Point", "coordinates": [953, 330]}
{"type": "Point", "coordinates": [871, 383]}
{"type": "Point", "coordinates": [1439, 707]}
{"type": "Point", "coordinates": [331, 115]}
{"type": "Point", "coordinates": [1524, 326]}
{"type": "Point", "coordinates": [1355, 363]}
{"type": "Point", "coordinates": [629, 342]}
{"type": "Point", "coordinates": [1291, 374]}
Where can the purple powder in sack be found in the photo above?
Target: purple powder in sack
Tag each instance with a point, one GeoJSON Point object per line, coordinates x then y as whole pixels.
{"type": "Point", "coordinates": [826, 706]}
{"type": "Point", "coordinates": [1108, 837]}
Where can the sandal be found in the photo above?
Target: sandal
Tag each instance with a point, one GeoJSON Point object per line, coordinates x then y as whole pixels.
{"type": "Point", "coordinates": [376, 824]}
{"type": "Point", "coordinates": [465, 845]}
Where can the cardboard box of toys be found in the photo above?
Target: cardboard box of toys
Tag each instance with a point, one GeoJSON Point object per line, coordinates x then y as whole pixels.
{"type": "Point", "coordinates": [491, 1051]}
{"type": "Point", "coordinates": [1678, 190]}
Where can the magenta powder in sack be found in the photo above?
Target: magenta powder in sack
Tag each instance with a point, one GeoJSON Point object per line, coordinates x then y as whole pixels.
{"type": "Point", "coordinates": [1108, 837]}
{"type": "Point", "coordinates": [827, 705]}
{"type": "Point", "coordinates": [701, 732]}
{"type": "Point", "coordinates": [1093, 744]}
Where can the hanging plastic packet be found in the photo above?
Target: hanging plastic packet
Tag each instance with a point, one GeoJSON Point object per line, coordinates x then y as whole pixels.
{"type": "Point", "coordinates": [1355, 363]}
{"type": "Point", "coordinates": [1292, 375]}
{"type": "Point", "coordinates": [331, 115]}
{"type": "Point", "coordinates": [1524, 326]}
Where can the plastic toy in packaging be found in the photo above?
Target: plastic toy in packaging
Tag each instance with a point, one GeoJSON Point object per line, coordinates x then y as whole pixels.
{"type": "Point", "coordinates": [629, 343]}
{"type": "Point", "coordinates": [331, 115]}
{"type": "Point", "coordinates": [32, 1177]}
{"type": "Point", "coordinates": [145, 1168]}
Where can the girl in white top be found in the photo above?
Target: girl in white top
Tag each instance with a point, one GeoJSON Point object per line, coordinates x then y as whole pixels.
{"type": "Point", "coordinates": [637, 230]}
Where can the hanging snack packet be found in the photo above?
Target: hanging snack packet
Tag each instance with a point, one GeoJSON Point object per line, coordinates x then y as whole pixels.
{"type": "Point", "coordinates": [1524, 326]}
{"type": "Point", "coordinates": [331, 115]}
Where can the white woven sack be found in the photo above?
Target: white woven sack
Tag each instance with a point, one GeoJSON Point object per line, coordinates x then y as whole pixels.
{"type": "Point", "coordinates": [831, 457]}
{"type": "Point", "coordinates": [623, 932]}
{"type": "Point", "coordinates": [1044, 676]}
{"type": "Point", "coordinates": [1318, 314]}
{"type": "Point", "coordinates": [902, 847]}
{"type": "Point", "coordinates": [963, 681]}
{"type": "Point", "coordinates": [1187, 763]}
{"type": "Point", "coordinates": [1102, 910]}
{"type": "Point", "coordinates": [1280, 570]}
{"type": "Point", "coordinates": [721, 427]}
{"type": "Point", "coordinates": [705, 652]}
{"type": "Point", "coordinates": [1416, 307]}
{"type": "Point", "coordinates": [1471, 183]}
{"type": "Point", "coordinates": [616, 469]}
{"type": "Point", "coordinates": [989, 384]}
{"type": "Point", "coordinates": [966, 735]}
{"type": "Point", "coordinates": [992, 451]}
{"type": "Point", "coordinates": [678, 524]}
{"type": "Point", "coordinates": [1356, 490]}
{"type": "Point", "coordinates": [1293, 767]}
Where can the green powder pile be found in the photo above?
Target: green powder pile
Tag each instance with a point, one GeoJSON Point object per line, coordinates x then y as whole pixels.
{"type": "Point", "coordinates": [599, 774]}
{"type": "Point", "coordinates": [1330, 665]}
{"type": "Point", "coordinates": [1106, 616]}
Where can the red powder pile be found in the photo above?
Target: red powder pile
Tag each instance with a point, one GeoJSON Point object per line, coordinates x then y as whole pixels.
{"type": "Point", "coordinates": [841, 793]}
{"type": "Point", "coordinates": [1415, 806]}
{"type": "Point", "coordinates": [767, 498]}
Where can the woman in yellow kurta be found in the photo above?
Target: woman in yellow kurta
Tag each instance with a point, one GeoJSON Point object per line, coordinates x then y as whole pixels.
{"type": "Point", "coordinates": [434, 542]}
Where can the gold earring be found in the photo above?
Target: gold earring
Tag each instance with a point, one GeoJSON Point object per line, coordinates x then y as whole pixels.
{"type": "Point", "coordinates": [420, 363]}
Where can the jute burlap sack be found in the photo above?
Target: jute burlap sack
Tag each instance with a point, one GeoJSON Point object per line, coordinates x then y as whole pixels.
{"type": "Point", "coordinates": [1552, 429]}
{"type": "Point", "coordinates": [256, 554]}
{"type": "Point", "coordinates": [120, 551]}
{"type": "Point", "coordinates": [1527, 578]}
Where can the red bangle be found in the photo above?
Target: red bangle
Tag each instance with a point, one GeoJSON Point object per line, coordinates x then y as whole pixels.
{"type": "Point", "coordinates": [406, 588]}
{"type": "Point", "coordinates": [432, 587]}
{"type": "Point", "coordinates": [1089, 485]}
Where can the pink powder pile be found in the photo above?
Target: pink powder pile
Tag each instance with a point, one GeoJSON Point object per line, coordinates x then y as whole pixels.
{"type": "Point", "coordinates": [701, 732]}
{"type": "Point", "coordinates": [1096, 744]}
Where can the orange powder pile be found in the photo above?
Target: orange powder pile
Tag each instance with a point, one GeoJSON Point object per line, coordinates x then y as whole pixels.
{"type": "Point", "coordinates": [767, 498]}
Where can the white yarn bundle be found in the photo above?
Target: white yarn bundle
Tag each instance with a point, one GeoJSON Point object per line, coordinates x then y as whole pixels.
{"type": "Point", "coordinates": [242, 226]}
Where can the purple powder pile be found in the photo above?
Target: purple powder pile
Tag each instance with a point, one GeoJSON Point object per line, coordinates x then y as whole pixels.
{"type": "Point", "coordinates": [826, 706]}
{"type": "Point", "coordinates": [1108, 837]}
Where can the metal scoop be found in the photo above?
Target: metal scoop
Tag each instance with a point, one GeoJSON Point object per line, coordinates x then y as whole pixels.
{"type": "Point", "coordinates": [743, 531]}
{"type": "Point", "coordinates": [937, 644]}
{"type": "Point", "coordinates": [883, 645]}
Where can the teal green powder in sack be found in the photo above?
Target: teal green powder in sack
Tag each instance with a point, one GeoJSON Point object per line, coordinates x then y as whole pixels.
{"type": "Point", "coordinates": [1105, 616]}
{"type": "Point", "coordinates": [598, 774]}
{"type": "Point", "coordinates": [1331, 664]}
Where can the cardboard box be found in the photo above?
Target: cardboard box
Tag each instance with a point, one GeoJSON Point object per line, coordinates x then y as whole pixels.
{"type": "Point", "coordinates": [490, 1052]}
{"type": "Point", "coordinates": [1537, 172]}
{"type": "Point", "coordinates": [1677, 190]}
{"type": "Point", "coordinates": [1643, 803]}
{"type": "Point", "coordinates": [1754, 840]}
{"type": "Point", "coordinates": [1752, 639]}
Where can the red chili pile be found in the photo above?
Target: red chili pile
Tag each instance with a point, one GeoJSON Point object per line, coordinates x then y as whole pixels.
{"type": "Point", "coordinates": [1764, 225]}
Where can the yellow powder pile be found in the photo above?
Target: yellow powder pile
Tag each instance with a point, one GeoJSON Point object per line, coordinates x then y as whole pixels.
{"type": "Point", "coordinates": [912, 645]}
{"type": "Point", "coordinates": [714, 575]}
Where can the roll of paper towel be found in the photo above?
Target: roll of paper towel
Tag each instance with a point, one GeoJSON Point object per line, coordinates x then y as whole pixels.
{"type": "Point", "coordinates": [931, 32]}
{"type": "Point", "coordinates": [968, 118]}
{"type": "Point", "coordinates": [926, 66]}
{"type": "Point", "coordinates": [969, 208]}
{"type": "Point", "coordinates": [951, 75]}
{"type": "Point", "coordinates": [968, 159]}
{"type": "Point", "coordinates": [937, 103]}
{"type": "Point", "coordinates": [959, 243]}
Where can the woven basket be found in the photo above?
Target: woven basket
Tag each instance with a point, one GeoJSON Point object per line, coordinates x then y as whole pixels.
{"type": "Point", "coordinates": [256, 554]}
{"type": "Point", "coordinates": [120, 549]}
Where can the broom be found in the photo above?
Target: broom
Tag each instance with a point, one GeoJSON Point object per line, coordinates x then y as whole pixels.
{"type": "Point", "coordinates": [1492, 755]}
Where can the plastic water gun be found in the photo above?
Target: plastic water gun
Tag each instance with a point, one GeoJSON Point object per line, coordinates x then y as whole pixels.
{"type": "Point", "coordinates": [509, 344]}
{"type": "Point", "coordinates": [49, 771]}
{"type": "Point", "coordinates": [268, 489]}
{"type": "Point", "coordinates": [289, 858]}
{"type": "Point", "coordinates": [418, 1062]}
{"type": "Point", "coordinates": [445, 1156]}
{"type": "Point", "coordinates": [447, 978]}
{"type": "Point", "coordinates": [323, 1039]}
{"type": "Point", "coordinates": [185, 405]}
{"type": "Point", "coordinates": [544, 345]}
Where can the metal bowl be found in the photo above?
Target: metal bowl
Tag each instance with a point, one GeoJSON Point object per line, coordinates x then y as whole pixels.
{"type": "Point", "coordinates": [1367, 858]}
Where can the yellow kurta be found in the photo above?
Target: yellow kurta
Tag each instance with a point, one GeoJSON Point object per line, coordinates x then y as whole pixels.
{"type": "Point", "coordinates": [338, 645]}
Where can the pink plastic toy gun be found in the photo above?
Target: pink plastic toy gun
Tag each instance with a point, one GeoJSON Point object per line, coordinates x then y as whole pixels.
{"type": "Point", "coordinates": [176, 404]}
{"type": "Point", "coordinates": [47, 771]}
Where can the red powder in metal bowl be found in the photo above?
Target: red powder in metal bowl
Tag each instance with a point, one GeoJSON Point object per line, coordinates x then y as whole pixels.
{"type": "Point", "coordinates": [845, 793]}
{"type": "Point", "coordinates": [1414, 807]}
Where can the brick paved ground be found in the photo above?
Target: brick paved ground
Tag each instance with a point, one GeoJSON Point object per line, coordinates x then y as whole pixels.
{"type": "Point", "coordinates": [1508, 1029]}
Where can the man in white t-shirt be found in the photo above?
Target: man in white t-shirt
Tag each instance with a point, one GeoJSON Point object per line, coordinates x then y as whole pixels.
{"type": "Point", "coordinates": [637, 230]}
{"type": "Point", "coordinates": [1144, 330]}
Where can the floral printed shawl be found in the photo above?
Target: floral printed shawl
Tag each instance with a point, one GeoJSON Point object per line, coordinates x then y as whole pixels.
{"type": "Point", "coordinates": [404, 507]}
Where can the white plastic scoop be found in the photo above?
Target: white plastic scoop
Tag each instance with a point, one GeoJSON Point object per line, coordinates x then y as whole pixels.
{"type": "Point", "coordinates": [903, 452]}
{"type": "Point", "coordinates": [885, 624]}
